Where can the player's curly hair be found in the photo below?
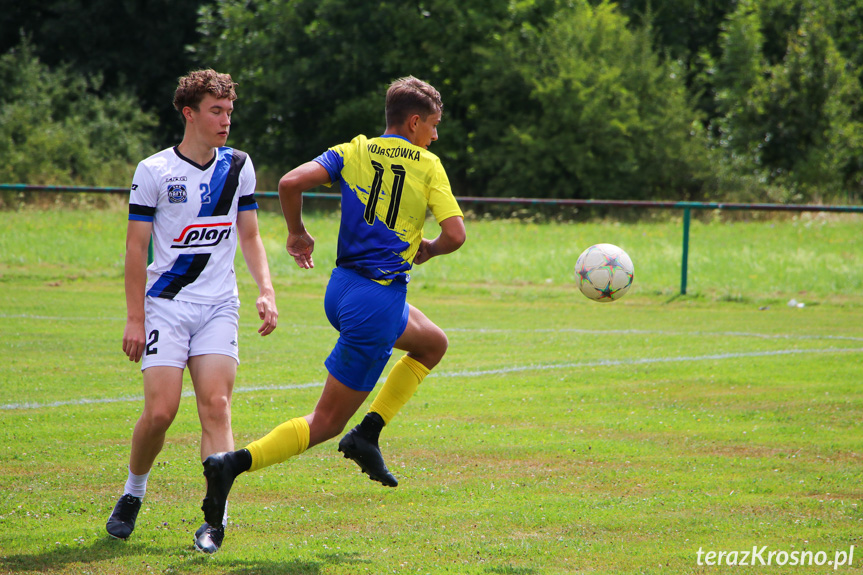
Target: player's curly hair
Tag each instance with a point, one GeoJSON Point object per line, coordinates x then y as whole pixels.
{"type": "Point", "coordinates": [407, 96]}
{"type": "Point", "coordinates": [192, 88]}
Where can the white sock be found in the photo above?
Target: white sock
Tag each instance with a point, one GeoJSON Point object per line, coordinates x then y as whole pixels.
{"type": "Point", "coordinates": [137, 484]}
{"type": "Point", "coordinates": [225, 518]}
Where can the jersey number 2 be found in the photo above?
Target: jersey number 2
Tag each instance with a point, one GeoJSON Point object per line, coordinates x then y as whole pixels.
{"type": "Point", "coordinates": [399, 174]}
{"type": "Point", "coordinates": [205, 193]}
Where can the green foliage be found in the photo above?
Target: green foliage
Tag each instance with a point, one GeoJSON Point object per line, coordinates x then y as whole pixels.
{"type": "Point", "coordinates": [55, 130]}
{"type": "Point", "coordinates": [137, 46]}
{"type": "Point", "coordinates": [779, 83]}
{"type": "Point", "coordinates": [288, 58]}
{"type": "Point", "coordinates": [603, 116]}
{"type": "Point", "coordinates": [313, 74]}
{"type": "Point", "coordinates": [683, 27]}
{"type": "Point", "coordinates": [549, 99]}
{"type": "Point", "coordinates": [794, 124]}
{"type": "Point", "coordinates": [748, 100]}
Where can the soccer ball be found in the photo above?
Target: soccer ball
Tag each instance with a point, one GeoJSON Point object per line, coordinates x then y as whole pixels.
{"type": "Point", "coordinates": [604, 272]}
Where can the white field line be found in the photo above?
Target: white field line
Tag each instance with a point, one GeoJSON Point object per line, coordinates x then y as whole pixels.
{"type": "Point", "coordinates": [646, 361]}
{"type": "Point", "coordinates": [31, 405]}
{"type": "Point", "coordinates": [788, 337]}
{"type": "Point", "coordinates": [658, 332]}
{"type": "Point", "coordinates": [478, 373]}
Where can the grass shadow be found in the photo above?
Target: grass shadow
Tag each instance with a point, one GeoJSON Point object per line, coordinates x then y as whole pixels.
{"type": "Point", "coordinates": [62, 559]}
{"type": "Point", "coordinates": [509, 570]}
{"type": "Point", "coordinates": [57, 559]}
{"type": "Point", "coordinates": [296, 567]}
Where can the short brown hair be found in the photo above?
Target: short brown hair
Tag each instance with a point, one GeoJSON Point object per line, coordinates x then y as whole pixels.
{"type": "Point", "coordinates": [408, 96]}
{"type": "Point", "coordinates": [197, 84]}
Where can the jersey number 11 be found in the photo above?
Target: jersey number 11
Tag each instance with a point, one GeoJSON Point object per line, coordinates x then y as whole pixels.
{"type": "Point", "coordinates": [399, 174]}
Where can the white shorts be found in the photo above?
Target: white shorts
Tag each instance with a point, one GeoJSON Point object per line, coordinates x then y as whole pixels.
{"type": "Point", "coordinates": [177, 330]}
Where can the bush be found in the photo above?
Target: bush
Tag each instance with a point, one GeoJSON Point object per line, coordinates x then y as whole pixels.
{"type": "Point", "coordinates": [55, 131]}
{"type": "Point", "coordinates": [602, 117]}
{"type": "Point", "coordinates": [789, 130]}
{"type": "Point", "coordinates": [541, 99]}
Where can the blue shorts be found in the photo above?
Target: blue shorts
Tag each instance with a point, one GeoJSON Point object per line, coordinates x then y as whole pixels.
{"type": "Point", "coordinates": [370, 317]}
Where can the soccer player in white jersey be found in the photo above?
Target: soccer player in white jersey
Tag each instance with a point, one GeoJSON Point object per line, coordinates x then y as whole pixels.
{"type": "Point", "coordinates": [195, 200]}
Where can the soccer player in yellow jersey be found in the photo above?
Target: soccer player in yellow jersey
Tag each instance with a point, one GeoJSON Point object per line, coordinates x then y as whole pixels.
{"type": "Point", "coordinates": [387, 185]}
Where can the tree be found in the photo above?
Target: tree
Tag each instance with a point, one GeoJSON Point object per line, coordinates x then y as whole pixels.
{"type": "Point", "coordinates": [601, 117]}
{"type": "Point", "coordinates": [683, 29]}
{"type": "Point", "coordinates": [139, 46]}
{"type": "Point", "coordinates": [540, 97]}
{"type": "Point", "coordinates": [55, 130]}
{"type": "Point", "coordinates": [792, 123]}
{"type": "Point", "coordinates": [313, 73]}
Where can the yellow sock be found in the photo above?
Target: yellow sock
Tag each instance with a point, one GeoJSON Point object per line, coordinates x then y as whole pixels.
{"type": "Point", "coordinates": [401, 384]}
{"type": "Point", "coordinates": [289, 439]}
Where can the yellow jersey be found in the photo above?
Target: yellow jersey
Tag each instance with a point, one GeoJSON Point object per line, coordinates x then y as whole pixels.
{"type": "Point", "coordinates": [387, 184]}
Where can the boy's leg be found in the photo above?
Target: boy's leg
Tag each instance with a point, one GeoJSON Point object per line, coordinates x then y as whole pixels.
{"type": "Point", "coordinates": [336, 406]}
{"type": "Point", "coordinates": [213, 360]}
{"type": "Point", "coordinates": [426, 344]}
{"type": "Point", "coordinates": [401, 384]}
{"type": "Point", "coordinates": [163, 387]}
{"type": "Point", "coordinates": [162, 391]}
{"type": "Point", "coordinates": [422, 339]}
{"type": "Point", "coordinates": [338, 403]}
{"type": "Point", "coordinates": [213, 377]}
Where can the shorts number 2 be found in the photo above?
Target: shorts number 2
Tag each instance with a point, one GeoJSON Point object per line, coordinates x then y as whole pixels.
{"type": "Point", "coordinates": [153, 339]}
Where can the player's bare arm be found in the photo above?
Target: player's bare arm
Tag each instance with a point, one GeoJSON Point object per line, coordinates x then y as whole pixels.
{"type": "Point", "coordinates": [300, 244]}
{"type": "Point", "coordinates": [452, 236]}
{"type": "Point", "coordinates": [252, 247]}
{"type": "Point", "coordinates": [137, 241]}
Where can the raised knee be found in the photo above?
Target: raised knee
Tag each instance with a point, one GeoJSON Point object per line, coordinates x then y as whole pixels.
{"type": "Point", "coordinates": [435, 349]}
{"type": "Point", "coordinates": [443, 344]}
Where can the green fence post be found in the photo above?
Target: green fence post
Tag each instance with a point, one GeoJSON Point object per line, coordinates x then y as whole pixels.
{"type": "Point", "coordinates": [684, 264]}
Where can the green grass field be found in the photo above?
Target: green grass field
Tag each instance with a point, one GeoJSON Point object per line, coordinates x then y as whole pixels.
{"type": "Point", "coordinates": [558, 435]}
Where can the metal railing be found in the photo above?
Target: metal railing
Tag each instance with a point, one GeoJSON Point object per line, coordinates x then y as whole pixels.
{"type": "Point", "coordinates": [687, 207]}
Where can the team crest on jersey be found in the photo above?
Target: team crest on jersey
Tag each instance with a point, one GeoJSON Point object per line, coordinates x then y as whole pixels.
{"type": "Point", "coordinates": [177, 194]}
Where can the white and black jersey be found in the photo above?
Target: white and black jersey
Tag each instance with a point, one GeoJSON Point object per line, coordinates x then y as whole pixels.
{"type": "Point", "coordinates": [194, 213]}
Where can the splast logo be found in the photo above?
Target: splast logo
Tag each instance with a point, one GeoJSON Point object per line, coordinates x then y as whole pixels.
{"type": "Point", "coordinates": [202, 235]}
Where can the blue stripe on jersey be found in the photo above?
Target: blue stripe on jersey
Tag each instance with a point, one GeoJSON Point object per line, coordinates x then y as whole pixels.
{"type": "Point", "coordinates": [217, 182]}
{"type": "Point", "coordinates": [141, 213]}
{"type": "Point", "coordinates": [357, 245]}
{"type": "Point", "coordinates": [247, 203]}
{"type": "Point", "coordinates": [232, 182]}
{"type": "Point", "coordinates": [224, 183]}
{"type": "Point", "coordinates": [186, 269]}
